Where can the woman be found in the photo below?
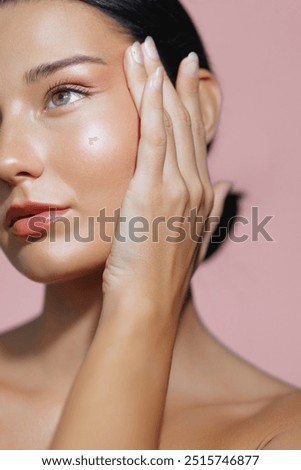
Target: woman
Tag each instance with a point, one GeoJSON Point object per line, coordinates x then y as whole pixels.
{"type": "Point", "coordinates": [118, 358]}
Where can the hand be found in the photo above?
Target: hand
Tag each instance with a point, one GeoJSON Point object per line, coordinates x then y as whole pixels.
{"type": "Point", "coordinates": [171, 179]}
{"type": "Point", "coordinates": [119, 395]}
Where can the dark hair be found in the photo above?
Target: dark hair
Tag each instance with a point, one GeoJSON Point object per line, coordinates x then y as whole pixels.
{"type": "Point", "coordinates": [165, 20]}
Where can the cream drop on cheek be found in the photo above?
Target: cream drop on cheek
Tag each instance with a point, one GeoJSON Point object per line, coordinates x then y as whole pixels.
{"type": "Point", "coordinates": [93, 140]}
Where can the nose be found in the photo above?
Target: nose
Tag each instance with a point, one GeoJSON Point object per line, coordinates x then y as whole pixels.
{"type": "Point", "coordinates": [19, 151]}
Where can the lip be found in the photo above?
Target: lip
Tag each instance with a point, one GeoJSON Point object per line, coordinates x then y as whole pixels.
{"type": "Point", "coordinates": [18, 217]}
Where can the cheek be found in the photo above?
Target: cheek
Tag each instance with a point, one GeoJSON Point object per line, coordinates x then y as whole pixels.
{"type": "Point", "coordinates": [98, 156]}
{"type": "Point", "coordinates": [91, 157]}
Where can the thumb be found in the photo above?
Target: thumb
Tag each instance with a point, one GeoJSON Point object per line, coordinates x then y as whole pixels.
{"type": "Point", "coordinates": [221, 190]}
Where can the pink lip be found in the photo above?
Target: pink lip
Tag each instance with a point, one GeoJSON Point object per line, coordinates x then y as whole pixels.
{"type": "Point", "coordinates": [32, 219]}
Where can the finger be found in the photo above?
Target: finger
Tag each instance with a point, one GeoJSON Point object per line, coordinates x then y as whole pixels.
{"type": "Point", "coordinates": [221, 191]}
{"type": "Point", "coordinates": [137, 77]}
{"type": "Point", "coordinates": [188, 90]}
{"type": "Point", "coordinates": [180, 118]}
{"type": "Point", "coordinates": [136, 74]}
{"type": "Point", "coordinates": [153, 140]}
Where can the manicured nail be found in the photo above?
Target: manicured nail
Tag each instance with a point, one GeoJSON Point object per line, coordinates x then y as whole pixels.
{"type": "Point", "coordinates": [192, 64]}
{"type": "Point", "coordinates": [137, 53]}
{"type": "Point", "coordinates": [151, 49]}
{"type": "Point", "coordinates": [157, 78]}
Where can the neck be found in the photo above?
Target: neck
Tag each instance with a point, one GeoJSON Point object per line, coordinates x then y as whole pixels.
{"type": "Point", "coordinates": [53, 348]}
{"type": "Point", "coordinates": [205, 372]}
{"type": "Point", "coordinates": [195, 358]}
{"type": "Point", "coordinates": [70, 318]}
{"type": "Point", "coordinates": [69, 321]}
{"type": "Point", "coordinates": [66, 327]}
{"type": "Point", "coordinates": [73, 306]}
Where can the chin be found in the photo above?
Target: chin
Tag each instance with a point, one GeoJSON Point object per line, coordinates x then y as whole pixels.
{"type": "Point", "coordinates": [51, 263]}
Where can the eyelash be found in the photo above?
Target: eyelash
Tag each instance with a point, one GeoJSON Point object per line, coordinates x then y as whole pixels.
{"type": "Point", "coordinates": [61, 87]}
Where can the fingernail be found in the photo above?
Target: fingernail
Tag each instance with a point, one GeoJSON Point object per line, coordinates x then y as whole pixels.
{"type": "Point", "coordinates": [137, 54]}
{"type": "Point", "coordinates": [157, 79]}
{"type": "Point", "coordinates": [192, 64]}
{"type": "Point", "coordinates": [151, 49]}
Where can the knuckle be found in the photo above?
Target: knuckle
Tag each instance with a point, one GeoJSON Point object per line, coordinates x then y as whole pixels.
{"type": "Point", "coordinates": [137, 82]}
{"type": "Point", "coordinates": [198, 126]}
{"type": "Point", "coordinates": [156, 138]}
{"type": "Point", "coordinates": [167, 121]}
{"type": "Point", "coordinates": [140, 80]}
{"type": "Point", "coordinates": [184, 116]}
{"type": "Point", "coordinates": [198, 194]}
{"type": "Point", "coordinates": [189, 90]}
{"type": "Point", "coordinates": [179, 192]}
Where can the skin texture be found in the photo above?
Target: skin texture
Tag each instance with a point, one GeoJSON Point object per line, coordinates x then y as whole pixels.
{"type": "Point", "coordinates": [84, 156]}
{"type": "Point", "coordinates": [97, 153]}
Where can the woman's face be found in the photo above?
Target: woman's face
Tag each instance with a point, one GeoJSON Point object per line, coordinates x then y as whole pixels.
{"type": "Point", "coordinates": [63, 148]}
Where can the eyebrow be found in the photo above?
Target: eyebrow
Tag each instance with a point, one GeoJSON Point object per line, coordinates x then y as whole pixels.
{"type": "Point", "coordinates": [44, 70]}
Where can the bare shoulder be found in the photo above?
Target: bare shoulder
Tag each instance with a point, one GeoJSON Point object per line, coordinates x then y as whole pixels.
{"type": "Point", "coordinates": [266, 411]}
{"type": "Point", "coordinates": [272, 422]}
{"type": "Point", "coordinates": [274, 416]}
{"type": "Point", "coordinates": [284, 416]}
{"type": "Point", "coordinates": [272, 412]}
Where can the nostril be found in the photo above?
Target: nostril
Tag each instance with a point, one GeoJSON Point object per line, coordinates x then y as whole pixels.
{"type": "Point", "coordinates": [23, 173]}
{"type": "Point", "coordinates": [16, 168]}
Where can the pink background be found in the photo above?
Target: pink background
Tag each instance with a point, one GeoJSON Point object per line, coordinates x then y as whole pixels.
{"type": "Point", "coordinates": [248, 294]}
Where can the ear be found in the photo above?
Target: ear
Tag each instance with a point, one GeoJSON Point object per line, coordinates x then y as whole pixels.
{"type": "Point", "coordinates": [211, 100]}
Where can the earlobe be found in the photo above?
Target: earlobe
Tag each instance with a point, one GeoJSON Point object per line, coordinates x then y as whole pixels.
{"type": "Point", "coordinates": [210, 99]}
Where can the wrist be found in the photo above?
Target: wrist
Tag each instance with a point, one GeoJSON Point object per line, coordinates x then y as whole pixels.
{"type": "Point", "coordinates": [137, 314]}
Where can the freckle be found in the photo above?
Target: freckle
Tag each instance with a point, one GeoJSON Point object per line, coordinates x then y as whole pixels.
{"type": "Point", "coordinates": [93, 140]}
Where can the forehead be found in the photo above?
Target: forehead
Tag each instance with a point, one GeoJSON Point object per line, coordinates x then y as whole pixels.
{"type": "Point", "coordinates": [35, 31]}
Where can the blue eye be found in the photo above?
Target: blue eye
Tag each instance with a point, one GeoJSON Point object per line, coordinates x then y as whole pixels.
{"type": "Point", "coordinates": [65, 96]}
